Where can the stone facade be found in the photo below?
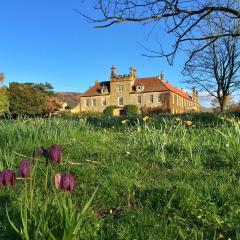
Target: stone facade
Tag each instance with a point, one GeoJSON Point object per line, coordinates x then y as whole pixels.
{"type": "Point", "coordinates": [149, 92]}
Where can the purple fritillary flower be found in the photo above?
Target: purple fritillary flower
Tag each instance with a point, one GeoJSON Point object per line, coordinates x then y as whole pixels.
{"type": "Point", "coordinates": [41, 151]}
{"type": "Point", "coordinates": [8, 177]}
{"type": "Point", "coordinates": [66, 182]}
{"type": "Point", "coordinates": [54, 153]}
{"type": "Point", "coordinates": [24, 169]}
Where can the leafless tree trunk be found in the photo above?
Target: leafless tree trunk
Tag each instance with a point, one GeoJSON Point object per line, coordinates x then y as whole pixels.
{"type": "Point", "coordinates": [215, 69]}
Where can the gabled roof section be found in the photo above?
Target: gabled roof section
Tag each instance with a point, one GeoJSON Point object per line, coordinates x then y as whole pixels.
{"type": "Point", "coordinates": [95, 89]}
{"type": "Point", "coordinates": [155, 84]}
{"type": "Point", "coordinates": [177, 91]}
{"type": "Point", "coordinates": [151, 84]}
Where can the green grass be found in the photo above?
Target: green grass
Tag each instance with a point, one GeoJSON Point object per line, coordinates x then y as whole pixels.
{"type": "Point", "coordinates": [158, 179]}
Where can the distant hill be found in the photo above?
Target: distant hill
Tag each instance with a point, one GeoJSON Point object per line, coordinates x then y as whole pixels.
{"type": "Point", "coordinates": [205, 109]}
{"type": "Point", "coordinates": [71, 98]}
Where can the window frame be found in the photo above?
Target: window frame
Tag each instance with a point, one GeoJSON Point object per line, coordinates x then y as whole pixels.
{"type": "Point", "coordinates": [151, 98]}
{"type": "Point", "coordinates": [139, 97]}
{"type": "Point", "coordinates": [122, 101]}
{"type": "Point", "coordinates": [94, 102]}
{"type": "Point", "coordinates": [104, 101]}
{"type": "Point", "coordinates": [88, 102]}
{"type": "Point", "coordinates": [120, 88]}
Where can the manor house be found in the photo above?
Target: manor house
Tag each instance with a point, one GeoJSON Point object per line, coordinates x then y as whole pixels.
{"type": "Point", "coordinates": [150, 92]}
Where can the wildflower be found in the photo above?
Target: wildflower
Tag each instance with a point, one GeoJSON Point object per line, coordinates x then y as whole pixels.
{"type": "Point", "coordinates": [222, 118]}
{"type": "Point", "coordinates": [189, 123]}
{"type": "Point", "coordinates": [125, 121]}
{"type": "Point", "coordinates": [128, 153]}
{"type": "Point", "coordinates": [145, 118]}
{"type": "Point", "coordinates": [24, 169]}
{"type": "Point", "coordinates": [221, 236]}
{"type": "Point", "coordinates": [64, 181]}
{"type": "Point", "coordinates": [42, 151]}
{"type": "Point", "coordinates": [227, 145]}
{"type": "Point", "coordinates": [54, 153]}
{"type": "Point", "coordinates": [178, 119]}
{"type": "Point", "coordinates": [7, 177]}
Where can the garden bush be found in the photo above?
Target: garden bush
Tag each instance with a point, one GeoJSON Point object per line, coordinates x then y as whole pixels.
{"type": "Point", "coordinates": [131, 110]}
{"type": "Point", "coordinates": [108, 111]}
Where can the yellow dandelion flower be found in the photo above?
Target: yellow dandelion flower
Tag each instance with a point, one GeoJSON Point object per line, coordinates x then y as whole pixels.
{"type": "Point", "coordinates": [145, 118]}
{"type": "Point", "coordinates": [189, 123]}
{"type": "Point", "coordinates": [124, 121]}
{"type": "Point", "coordinates": [178, 119]}
{"type": "Point", "coordinates": [220, 236]}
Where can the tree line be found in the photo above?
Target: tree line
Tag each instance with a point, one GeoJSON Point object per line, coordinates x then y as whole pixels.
{"type": "Point", "coordinates": [21, 99]}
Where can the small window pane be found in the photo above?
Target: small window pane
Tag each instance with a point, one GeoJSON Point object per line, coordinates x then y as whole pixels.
{"type": "Point", "coordinates": [151, 98]}
{"type": "Point", "coordinates": [94, 102]}
{"type": "Point", "coordinates": [120, 88]}
{"type": "Point", "coordinates": [120, 101]}
{"type": "Point", "coordinates": [139, 99]}
{"type": "Point", "coordinates": [104, 102]}
{"type": "Point", "coordinates": [88, 102]}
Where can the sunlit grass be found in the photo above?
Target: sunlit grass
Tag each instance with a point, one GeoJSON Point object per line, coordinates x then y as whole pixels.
{"type": "Point", "coordinates": [157, 178]}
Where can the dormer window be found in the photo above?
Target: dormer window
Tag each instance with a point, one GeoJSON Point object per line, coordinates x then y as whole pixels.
{"type": "Point", "coordinates": [104, 90]}
{"type": "Point", "coordinates": [139, 88]}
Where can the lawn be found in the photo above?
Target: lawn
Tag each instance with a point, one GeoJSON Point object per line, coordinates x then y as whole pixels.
{"type": "Point", "coordinates": [156, 178]}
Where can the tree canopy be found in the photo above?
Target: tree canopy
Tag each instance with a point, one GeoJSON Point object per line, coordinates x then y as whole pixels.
{"type": "Point", "coordinates": [28, 98]}
{"type": "Point", "coordinates": [4, 100]}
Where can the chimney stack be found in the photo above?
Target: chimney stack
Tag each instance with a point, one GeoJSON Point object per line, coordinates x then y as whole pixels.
{"type": "Point", "coordinates": [131, 71]}
{"type": "Point", "coordinates": [113, 72]}
{"type": "Point", "coordinates": [134, 72]}
{"type": "Point", "coordinates": [162, 76]}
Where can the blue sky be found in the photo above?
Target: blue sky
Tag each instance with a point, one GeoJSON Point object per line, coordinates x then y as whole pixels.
{"type": "Point", "coordinates": [47, 41]}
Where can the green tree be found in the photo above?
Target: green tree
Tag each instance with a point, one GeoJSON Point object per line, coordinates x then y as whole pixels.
{"type": "Point", "coordinates": [28, 98]}
{"type": "Point", "coordinates": [4, 100]}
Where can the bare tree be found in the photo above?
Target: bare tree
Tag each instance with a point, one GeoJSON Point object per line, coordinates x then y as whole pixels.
{"type": "Point", "coordinates": [183, 19]}
{"type": "Point", "coordinates": [215, 69]}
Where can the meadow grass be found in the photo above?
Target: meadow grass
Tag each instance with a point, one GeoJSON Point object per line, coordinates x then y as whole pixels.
{"type": "Point", "coordinates": [153, 179]}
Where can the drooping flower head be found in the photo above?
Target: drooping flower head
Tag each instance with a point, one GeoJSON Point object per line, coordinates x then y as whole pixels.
{"type": "Point", "coordinates": [24, 169]}
{"type": "Point", "coordinates": [8, 177]}
{"type": "Point", "coordinates": [42, 151]}
{"type": "Point", "coordinates": [54, 153]}
{"type": "Point", "coordinates": [67, 182]}
{"type": "Point", "coordinates": [64, 181]}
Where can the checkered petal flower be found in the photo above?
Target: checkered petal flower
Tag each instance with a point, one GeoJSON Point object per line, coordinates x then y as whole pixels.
{"type": "Point", "coordinates": [54, 153]}
{"type": "Point", "coordinates": [24, 169]}
{"type": "Point", "coordinates": [8, 177]}
{"type": "Point", "coordinates": [66, 182]}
